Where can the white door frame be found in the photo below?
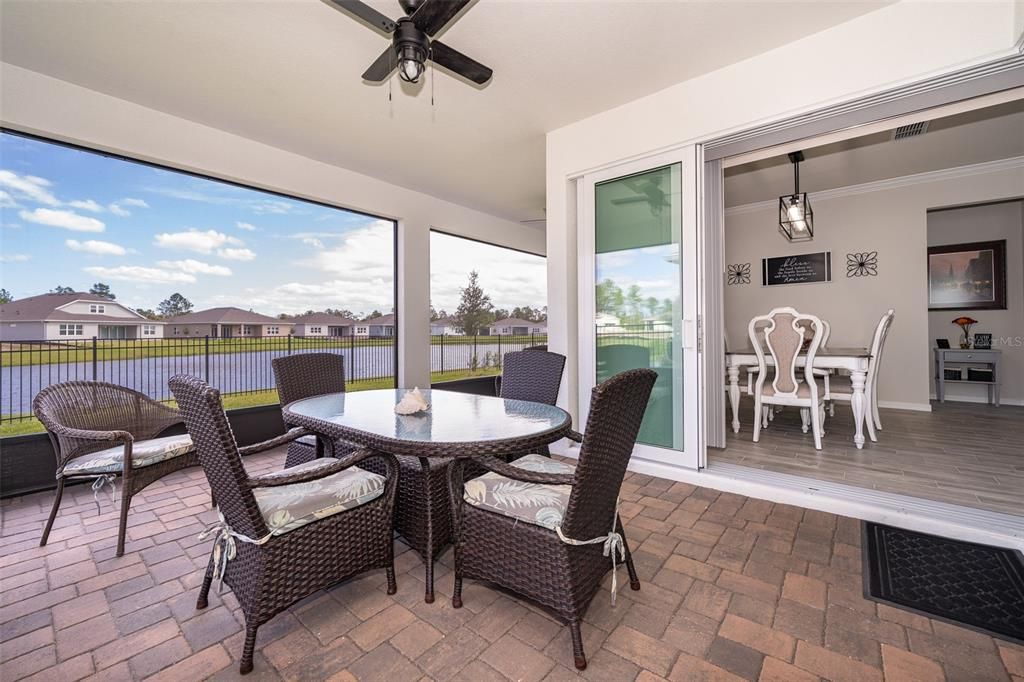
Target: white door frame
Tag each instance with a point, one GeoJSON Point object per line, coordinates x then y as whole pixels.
{"type": "Point", "coordinates": [693, 454]}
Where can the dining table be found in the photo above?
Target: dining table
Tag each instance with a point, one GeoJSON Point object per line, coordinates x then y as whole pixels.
{"type": "Point", "coordinates": [456, 425]}
{"type": "Point", "coordinates": [853, 360]}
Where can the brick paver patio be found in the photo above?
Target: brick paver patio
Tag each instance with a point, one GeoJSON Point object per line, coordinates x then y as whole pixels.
{"type": "Point", "coordinates": [733, 588]}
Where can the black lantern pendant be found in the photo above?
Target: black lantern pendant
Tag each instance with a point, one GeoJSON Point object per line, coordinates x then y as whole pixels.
{"type": "Point", "coordinates": [796, 219]}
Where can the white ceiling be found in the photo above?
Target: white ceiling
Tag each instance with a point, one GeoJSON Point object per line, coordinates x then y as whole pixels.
{"type": "Point", "coordinates": [287, 73]}
{"type": "Point", "coordinates": [978, 136]}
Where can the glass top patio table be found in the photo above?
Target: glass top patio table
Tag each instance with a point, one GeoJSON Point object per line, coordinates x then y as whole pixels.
{"type": "Point", "coordinates": [456, 425]}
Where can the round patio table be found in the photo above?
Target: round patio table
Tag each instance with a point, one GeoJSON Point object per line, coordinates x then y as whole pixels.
{"type": "Point", "coordinates": [456, 425]}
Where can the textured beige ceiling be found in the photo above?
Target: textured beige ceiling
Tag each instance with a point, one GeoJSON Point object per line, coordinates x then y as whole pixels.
{"type": "Point", "coordinates": [287, 73]}
{"type": "Point", "coordinates": [988, 134]}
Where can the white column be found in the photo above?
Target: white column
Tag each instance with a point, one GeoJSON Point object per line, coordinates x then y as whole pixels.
{"type": "Point", "coordinates": [413, 304]}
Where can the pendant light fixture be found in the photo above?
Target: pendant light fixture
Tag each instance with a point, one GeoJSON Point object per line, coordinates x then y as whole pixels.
{"type": "Point", "coordinates": [796, 219]}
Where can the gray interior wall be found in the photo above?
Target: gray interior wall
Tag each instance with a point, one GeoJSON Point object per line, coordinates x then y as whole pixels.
{"type": "Point", "coordinates": [893, 222]}
{"type": "Point", "coordinates": [984, 223]}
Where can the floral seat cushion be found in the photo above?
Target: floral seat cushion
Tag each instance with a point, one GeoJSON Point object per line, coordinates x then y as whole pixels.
{"type": "Point", "coordinates": [144, 454]}
{"type": "Point", "coordinates": [287, 507]}
{"type": "Point", "coordinates": [538, 503]}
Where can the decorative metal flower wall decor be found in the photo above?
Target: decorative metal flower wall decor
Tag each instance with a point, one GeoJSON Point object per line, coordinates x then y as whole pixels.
{"type": "Point", "coordinates": [862, 264]}
{"type": "Point", "coordinates": [739, 273]}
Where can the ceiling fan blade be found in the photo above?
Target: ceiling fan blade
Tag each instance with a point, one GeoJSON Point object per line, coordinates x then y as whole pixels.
{"type": "Point", "coordinates": [433, 15]}
{"type": "Point", "coordinates": [382, 66]}
{"type": "Point", "coordinates": [366, 13]}
{"type": "Point", "coordinates": [453, 60]}
{"type": "Point", "coordinates": [630, 200]}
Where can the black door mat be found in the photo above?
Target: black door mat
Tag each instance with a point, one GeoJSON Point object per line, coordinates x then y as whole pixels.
{"type": "Point", "coordinates": [976, 586]}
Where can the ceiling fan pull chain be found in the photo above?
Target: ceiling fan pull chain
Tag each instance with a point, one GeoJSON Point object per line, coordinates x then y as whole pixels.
{"type": "Point", "coordinates": [433, 75]}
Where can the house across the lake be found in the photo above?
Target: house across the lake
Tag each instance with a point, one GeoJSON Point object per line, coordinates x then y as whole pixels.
{"type": "Point", "coordinates": [67, 317]}
{"type": "Point", "coordinates": [227, 323]}
{"type": "Point", "coordinates": [322, 324]}
{"type": "Point", "coordinates": [515, 326]}
{"type": "Point", "coordinates": [446, 326]}
{"type": "Point", "coordinates": [376, 327]}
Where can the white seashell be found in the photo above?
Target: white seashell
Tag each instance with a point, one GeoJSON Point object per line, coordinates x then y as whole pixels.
{"type": "Point", "coordinates": [412, 402]}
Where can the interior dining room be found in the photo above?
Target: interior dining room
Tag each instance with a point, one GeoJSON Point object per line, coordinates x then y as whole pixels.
{"type": "Point", "coordinates": [896, 254]}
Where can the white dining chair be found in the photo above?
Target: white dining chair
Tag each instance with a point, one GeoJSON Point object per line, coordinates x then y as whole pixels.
{"type": "Point", "coordinates": [839, 387]}
{"type": "Point", "coordinates": [784, 339]}
{"type": "Point", "coordinates": [826, 333]}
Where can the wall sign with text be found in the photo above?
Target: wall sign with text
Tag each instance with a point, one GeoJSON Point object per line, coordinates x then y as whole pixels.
{"type": "Point", "coordinates": [802, 269]}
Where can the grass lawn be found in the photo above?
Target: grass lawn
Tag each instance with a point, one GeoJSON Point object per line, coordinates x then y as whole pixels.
{"type": "Point", "coordinates": [241, 400]}
{"type": "Point", "coordinates": [19, 354]}
{"type": "Point", "coordinates": [231, 402]}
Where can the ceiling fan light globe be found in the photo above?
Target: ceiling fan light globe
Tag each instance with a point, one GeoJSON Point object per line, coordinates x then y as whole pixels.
{"type": "Point", "coordinates": [410, 70]}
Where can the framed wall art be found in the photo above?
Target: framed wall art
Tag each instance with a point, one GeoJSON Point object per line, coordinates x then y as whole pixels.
{"type": "Point", "coordinates": [967, 276]}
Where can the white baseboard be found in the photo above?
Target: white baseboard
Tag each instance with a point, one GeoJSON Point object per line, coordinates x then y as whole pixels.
{"type": "Point", "coordinates": [977, 399]}
{"type": "Point", "coordinates": [895, 405]}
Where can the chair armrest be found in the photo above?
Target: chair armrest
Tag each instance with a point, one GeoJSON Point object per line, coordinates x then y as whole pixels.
{"type": "Point", "coordinates": [525, 475]}
{"type": "Point", "coordinates": [574, 436]}
{"type": "Point", "coordinates": [86, 434]}
{"type": "Point", "coordinates": [286, 437]}
{"type": "Point", "coordinates": [288, 476]}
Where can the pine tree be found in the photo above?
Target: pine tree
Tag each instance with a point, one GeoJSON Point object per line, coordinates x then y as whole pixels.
{"type": "Point", "coordinates": [175, 305]}
{"type": "Point", "coordinates": [102, 290]}
{"type": "Point", "coordinates": [475, 308]}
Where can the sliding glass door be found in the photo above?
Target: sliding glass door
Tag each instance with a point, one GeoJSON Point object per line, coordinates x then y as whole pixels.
{"type": "Point", "coordinates": [638, 294]}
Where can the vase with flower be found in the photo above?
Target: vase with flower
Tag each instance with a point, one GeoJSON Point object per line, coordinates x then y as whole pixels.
{"type": "Point", "coordinates": [965, 323]}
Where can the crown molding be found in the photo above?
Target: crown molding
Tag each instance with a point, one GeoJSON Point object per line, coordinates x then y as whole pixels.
{"type": "Point", "coordinates": [890, 183]}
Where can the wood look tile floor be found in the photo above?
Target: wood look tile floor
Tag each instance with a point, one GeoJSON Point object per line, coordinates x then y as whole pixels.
{"type": "Point", "coordinates": [733, 588]}
{"type": "Point", "coordinates": [960, 453]}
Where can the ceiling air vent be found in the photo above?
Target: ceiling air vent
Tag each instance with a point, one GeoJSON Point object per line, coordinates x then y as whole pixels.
{"type": "Point", "coordinates": [912, 130]}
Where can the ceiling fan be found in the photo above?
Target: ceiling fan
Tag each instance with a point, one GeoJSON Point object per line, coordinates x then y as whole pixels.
{"type": "Point", "coordinates": [648, 191]}
{"type": "Point", "coordinates": [411, 44]}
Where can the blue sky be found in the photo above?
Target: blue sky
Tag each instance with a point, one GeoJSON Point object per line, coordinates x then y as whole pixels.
{"type": "Point", "coordinates": [73, 218]}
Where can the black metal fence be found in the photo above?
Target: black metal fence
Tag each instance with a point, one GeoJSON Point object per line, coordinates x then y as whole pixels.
{"type": "Point", "coordinates": [238, 366]}
{"type": "Point", "coordinates": [476, 355]}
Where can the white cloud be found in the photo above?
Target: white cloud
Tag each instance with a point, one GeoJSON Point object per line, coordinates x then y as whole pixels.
{"type": "Point", "coordinates": [138, 273]}
{"type": "Point", "coordinates": [14, 257]}
{"type": "Point", "coordinates": [7, 201]}
{"type": "Point", "coordinates": [313, 241]}
{"type": "Point", "coordinates": [86, 205]}
{"type": "Point", "coordinates": [195, 240]}
{"type": "Point", "coordinates": [245, 226]}
{"type": "Point", "coordinates": [364, 253]}
{"type": "Point", "coordinates": [63, 219]}
{"type": "Point", "coordinates": [95, 247]}
{"type": "Point", "coordinates": [195, 267]}
{"type": "Point", "coordinates": [360, 295]}
{"type": "Point", "coordinates": [118, 207]}
{"type": "Point", "coordinates": [28, 187]}
{"type": "Point", "coordinates": [510, 278]}
{"type": "Point", "coordinates": [236, 254]}
{"type": "Point", "coordinates": [261, 207]}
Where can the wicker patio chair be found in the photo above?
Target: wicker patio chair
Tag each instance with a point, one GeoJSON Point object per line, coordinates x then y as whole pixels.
{"type": "Point", "coordinates": [533, 374]}
{"type": "Point", "coordinates": [285, 535]}
{"type": "Point", "coordinates": [422, 514]}
{"type": "Point", "coordinates": [525, 526]}
{"type": "Point", "coordinates": [304, 376]}
{"type": "Point", "coordinates": [102, 431]}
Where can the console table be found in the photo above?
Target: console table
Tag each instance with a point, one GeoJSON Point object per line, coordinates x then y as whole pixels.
{"type": "Point", "coordinates": [968, 356]}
